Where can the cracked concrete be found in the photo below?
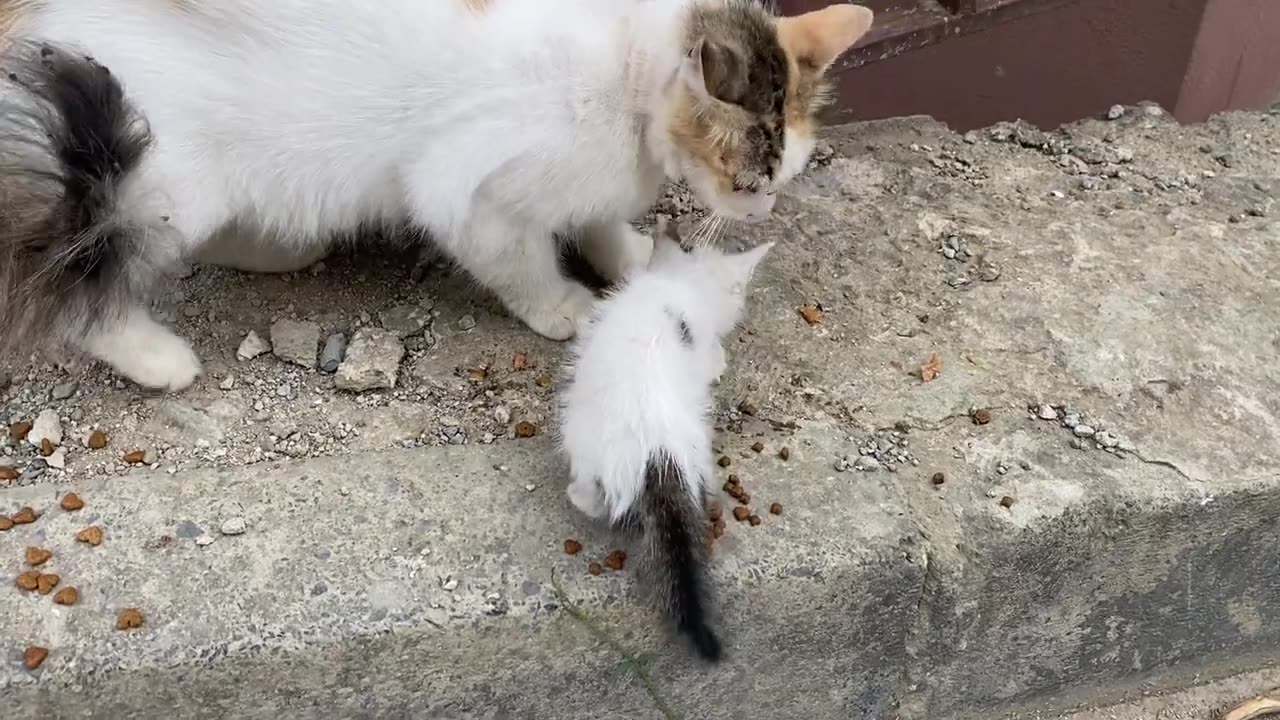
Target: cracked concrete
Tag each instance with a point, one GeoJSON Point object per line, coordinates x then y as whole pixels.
{"type": "Point", "coordinates": [400, 545]}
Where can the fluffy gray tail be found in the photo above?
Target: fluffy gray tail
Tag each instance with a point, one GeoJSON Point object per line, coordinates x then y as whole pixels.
{"type": "Point", "coordinates": [675, 529]}
{"type": "Point", "coordinates": [68, 136]}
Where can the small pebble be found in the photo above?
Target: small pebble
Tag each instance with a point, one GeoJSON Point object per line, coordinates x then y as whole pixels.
{"type": "Point", "coordinates": [252, 346]}
{"type": "Point", "coordinates": [938, 478]}
{"type": "Point", "coordinates": [502, 415]}
{"type": "Point", "coordinates": [335, 350]}
{"type": "Point", "coordinates": [64, 391]}
{"type": "Point", "coordinates": [205, 540]}
{"type": "Point", "coordinates": [1047, 412]}
{"type": "Point", "coordinates": [1083, 431]}
{"type": "Point", "coordinates": [227, 383]}
{"type": "Point", "coordinates": [1007, 501]}
{"type": "Point", "coordinates": [234, 526]}
{"type": "Point", "coordinates": [785, 453]}
{"type": "Point", "coordinates": [1115, 112]}
{"type": "Point", "coordinates": [466, 322]}
{"type": "Point", "coordinates": [866, 463]}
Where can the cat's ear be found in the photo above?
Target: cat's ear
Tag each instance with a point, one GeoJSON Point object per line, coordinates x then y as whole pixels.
{"type": "Point", "coordinates": [715, 70]}
{"type": "Point", "coordinates": [815, 39]}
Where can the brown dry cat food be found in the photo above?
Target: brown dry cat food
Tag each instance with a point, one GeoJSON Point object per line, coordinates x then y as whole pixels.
{"type": "Point", "coordinates": [572, 547]}
{"type": "Point", "coordinates": [1007, 502]}
{"type": "Point", "coordinates": [46, 447]}
{"type": "Point", "coordinates": [741, 513]}
{"type": "Point", "coordinates": [811, 313]}
{"type": "Point", "coordinates": [775, 508]}
{"type": "Point", "coordinates": [755, 520]}
{"type": "Point", "coordinates": [91, 535]}
{"type": "Point", "coordinates": [133, 457]}
{"type": "Point", "coordinates": [20, 430]}
{"type": "Point", "coordinates": [938, 478]}
{"type": "Point", "coordinates": [785, 453]}
{"type": "Point", "coordinates": [97, 440]}
{"type": "Point", "coordinates": [67, 596]}
{"type": "Point", "coordinates": [526, 429]}
{"type": "Point", "coordinates": [981, 416]}
{"type": "Point", "coordinates": [520, 361]}
{"type": "Point", "coordinates": [724, 461]}
{"type": "Point", "coordinates": [24, 516]}
{"type": "Point", "coordinates": [37, 556]}
{"type": "Point", "coordinates": [29, 580]}
{"type": "Point", "coordinates": [8, 473]}
{"type": "Point", "coordinates": [33, 657]}
{"type": "Point", "coordinates": [594, 568]}
{"type": "Point", "coordinates": [128, 619]}
{"type": "Point", "coordinates": [714, 513]}
{"type": "Point", "coordinates": [615, 560]}
{"type": "Point", "coordinates": [71, 502]}
{"type": "Point", "coordinates": [747, 408]}
{"type": "Point", "coordinates": [47, 582]}
{"type": "Point", "coordinates": [758, 446]}
{"type": "Point", "coordinates": [744, 498]}
{"type": "Point", "coordinates": [5, 523]}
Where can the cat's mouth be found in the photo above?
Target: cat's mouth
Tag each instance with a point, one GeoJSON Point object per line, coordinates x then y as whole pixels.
{"type": "Point", "coordinates": [746, 207]}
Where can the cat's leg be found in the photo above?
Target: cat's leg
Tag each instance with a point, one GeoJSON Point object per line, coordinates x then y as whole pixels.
{"type": "Point", "coordinates": [615, 249]}
{"type": "Point", "coordinates": [521, 264]}
{"type": "Point", "coordinates": [251, 251]}
{"type": "Point", "coordinates": [719, 362]}
{"type": "Point", "coordinates": [143, 350]}
{"type": "Point", "coordinates": [585, 494]}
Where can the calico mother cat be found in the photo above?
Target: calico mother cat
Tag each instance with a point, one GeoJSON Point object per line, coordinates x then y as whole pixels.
{"type": "Point", "coordinates": [135, 132]}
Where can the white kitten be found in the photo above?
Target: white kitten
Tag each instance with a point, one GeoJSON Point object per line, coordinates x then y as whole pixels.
{"type": "Point", "coordinates": [636, 413]}
{"type": "Point", "coordinates": [490, 124]}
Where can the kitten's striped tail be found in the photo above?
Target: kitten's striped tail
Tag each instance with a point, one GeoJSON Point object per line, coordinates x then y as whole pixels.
{"type": "Point", "coordinates": [68, 136]}
{"type": "Point", "coordinates": [675, 528]}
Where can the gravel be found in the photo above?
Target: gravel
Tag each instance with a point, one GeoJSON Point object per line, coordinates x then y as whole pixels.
{"type": "Point", "coordinates": [295, 342]}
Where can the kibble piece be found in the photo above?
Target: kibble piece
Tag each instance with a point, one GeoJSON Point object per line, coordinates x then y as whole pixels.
{"type": "Point", "coordinates": [37, 556]}
{"type": "Point", "coordinates": [755, 520]}
{"type": "Point", "coordinates": [717, 529]}
{"type": "Point", "coordinates": [526, 429]}
{"type": "Point", "coordinates": [714, 513]}
{"type": "Point", "coordinates": [785, 453]}
{"type": "Point", "coordinates": [29, 580]}
{"type": "Point", "coordinates": [67, 596]}
{"type": "Point", "coordinates": [1007, 502]}
{"type": "Point", "coordinates": [746, 408]}
{"type": "Point", "coordinates": [20, 430]}
{"type": "Point", "coordinates": [594, 568]}
{"type": "Point", "coordinates": [5, 523]}
{"type": "Point", "coordinates": [938, 478]}
{"type": "Point", "coordinates": [71, 502]}
{"type": "Point", "coordinates": [133, 457]}
{"type": "Point", "coordinates": [91, 535]}
{"type": "Point", "coordinates": [744, 498]}
{"type": "Point", "coordinates": [736, 492]}
{"type": "Point", "coordinates": [811, 313]}
{"type": "Point", "coordinates": [24, 516]}
{"type": "Point", "coordinates": [520, 361]}
{"type": "Point", "coordinates": [97, 440]}
{"type": "Point", "coordinates": [572, 547]}
{"type": "Point", "coordinates": [8, 473]}
{"type": "Point", "coordinates": [758, 447]}
{"type": "Point", "coordinates": [46, 447]}
{"type": "Point", "coordinates": [47, 582]}
{"type": "Point", "coordinates": [734, 479]}
{"type": "Point", "coordinates": [775, 508]}
{"type": "Point", "coordinates": [724, 461]}
{"type": "Point", "coordinates": [728, 486]}
{"type": "Point", "coordinates": [34, 656]}
{"type": "Point", "coordinates": [981, 416]}
{"type": "Point", "coordinates": [615, 560]}
{"type": "Point", "coordinates": [128, 619]}
{"type": "Point", "coordinates": [741, 513]}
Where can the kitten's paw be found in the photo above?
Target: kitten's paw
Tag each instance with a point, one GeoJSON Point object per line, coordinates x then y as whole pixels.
{"type": "Point", "coordinates": [560, 321]}
{"type": "Point", "coordinates": [586, 497]}
{"type": "Point", "coordinates": [168, 364]}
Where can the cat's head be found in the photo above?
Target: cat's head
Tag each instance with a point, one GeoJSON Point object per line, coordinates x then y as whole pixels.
{"type": "Point", "coordinates": [740, 120]}
{"type": "Point", "coordinates": [721, 277]}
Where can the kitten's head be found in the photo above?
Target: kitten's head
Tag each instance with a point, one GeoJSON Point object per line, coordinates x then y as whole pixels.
{"type": "Point", "coordinates": [721, 277]}
{"type": "Point", "coordinates": [741, 117]}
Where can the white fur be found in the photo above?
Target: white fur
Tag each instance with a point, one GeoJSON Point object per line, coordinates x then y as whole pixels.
{"type": "Point", "coordinates": [299, 119]}
{"type": "Point", "coordinates": [637, 388]}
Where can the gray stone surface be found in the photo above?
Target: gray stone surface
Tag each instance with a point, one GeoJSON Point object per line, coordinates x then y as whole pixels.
{"type": "Point", "coordinates": [372, 361]}
{"type": "Point", "coordinates": [384, 572]}
{"type": "Point", "coordinates": [295, 341]}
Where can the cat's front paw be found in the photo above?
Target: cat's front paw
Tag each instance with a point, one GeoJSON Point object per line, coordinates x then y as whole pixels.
{"type": "Point", "coordinates": [560, 320]}
{"type": "Point", "coordinates": [586, 497]}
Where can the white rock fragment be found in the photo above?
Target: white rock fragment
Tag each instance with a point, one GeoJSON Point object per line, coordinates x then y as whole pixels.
{"type": "Point", "coordinates": [372, 361]}
{"type": "Point", "coordinates": [58, 460]}
{"type": "Point", "coordinates": [205, 540]}
{"type": "Point", "coordinates": [1047, 412]}
{"type": "Point", "coordinates": [1083, 430]}
{"type": "Point", "coordinates": [234, 526]}
{"type": "Point", "coordinates": [46, 426]}
{"type": "Point", "coordinates": [228, 382]}
{"type": "Point", "coordinates": [252, 346]}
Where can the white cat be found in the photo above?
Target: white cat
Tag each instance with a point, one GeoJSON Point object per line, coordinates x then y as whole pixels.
{"type": "Point", "coordinates": [135, 132]}
{"type": "Point", "coordinates": [635, 413]}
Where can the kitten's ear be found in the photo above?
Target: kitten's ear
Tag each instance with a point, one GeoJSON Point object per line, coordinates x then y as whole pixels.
{"type": "Point", "coordinates": [815, 39]}
{"type": "Point", "coordinates": [744, 263]}
{"type": "Point", "coordinates": [715, 70]}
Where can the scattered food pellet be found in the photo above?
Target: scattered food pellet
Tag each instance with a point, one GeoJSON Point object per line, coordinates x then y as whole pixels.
{"type": "Point", "coordinates": [594, 568]}
{"type": "Point", "coordinates": [746, 408]}
{"type": "Point", "coordinates": [46, 447]}
{"type": "Point", "coordinates": [97, 440]}
{"type": "Point", "coordinates": [981, 416]}
{"type": "Point", "coordinates": [134, 457]}
{"type": "Point", "coordinates": [724, 461]}
{"type": "Point", "coordinates": [811, 313]}
{"type": "Point", "coordinates": [478, 375]}
{"type": "Point", "coordinates": [1007, 502]}
{"type": "Point", "coordinates": [734, 479]}
{"type": "Point", "coordinates": [717, 529]}
{"type": "Point", "coordinates": [714, 513]}
{"type": "Point", "coordinates": [775, 508]}
{"type": "Point", "coordinates": [615, 560]}
{"type": "Point", "coordinates": [128, 619]}
{"type": "Point", "coordinates": [67, 596]}
{"type": "Point", "coordinates": [785, 453]}
{"type": "Point", "coordinates": [728, 486]}
{"type": "Point", "coordinates": [34, 656]}
{"type": "Point", "coordinates": [755, 520]}
{"type": "Point", "coordinates": [520, 361]}
{"type": "Point", "coordinates": [744, 498]}
{"type": "Point", "coordinates": [526, 429]}
{"type": "Point", "coordinates": [758, 447]}
{"type": "Point", "coordinates": [37, 556]}
{"type": "Point", "coordinates": [931, 369]}
{"type": "Point", "coordinates": [91, 535]}
{"type": "Point", "coordinates": [8, 473]}
{"type": "Point", "coordinates": [741, 513]}
{"type": "Point", "coordinates": [5, 523]}
{"type": "Point", "coordinates": [736, 491]}
{"type": "Point", "coordinates": [572, 547]}
{"type": "Point", "coordinates": [24, 516]}
{"type": "Point", "coordinates": [71, 502]}
{"type": "Point", "coordinates": [938, 478]}
{"type": "Point", "coordinates": [28, 580]}
{"type": "Point", "coordinates": [47, 582]}
{"type": "Point", "coordinates": [19, 430]}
